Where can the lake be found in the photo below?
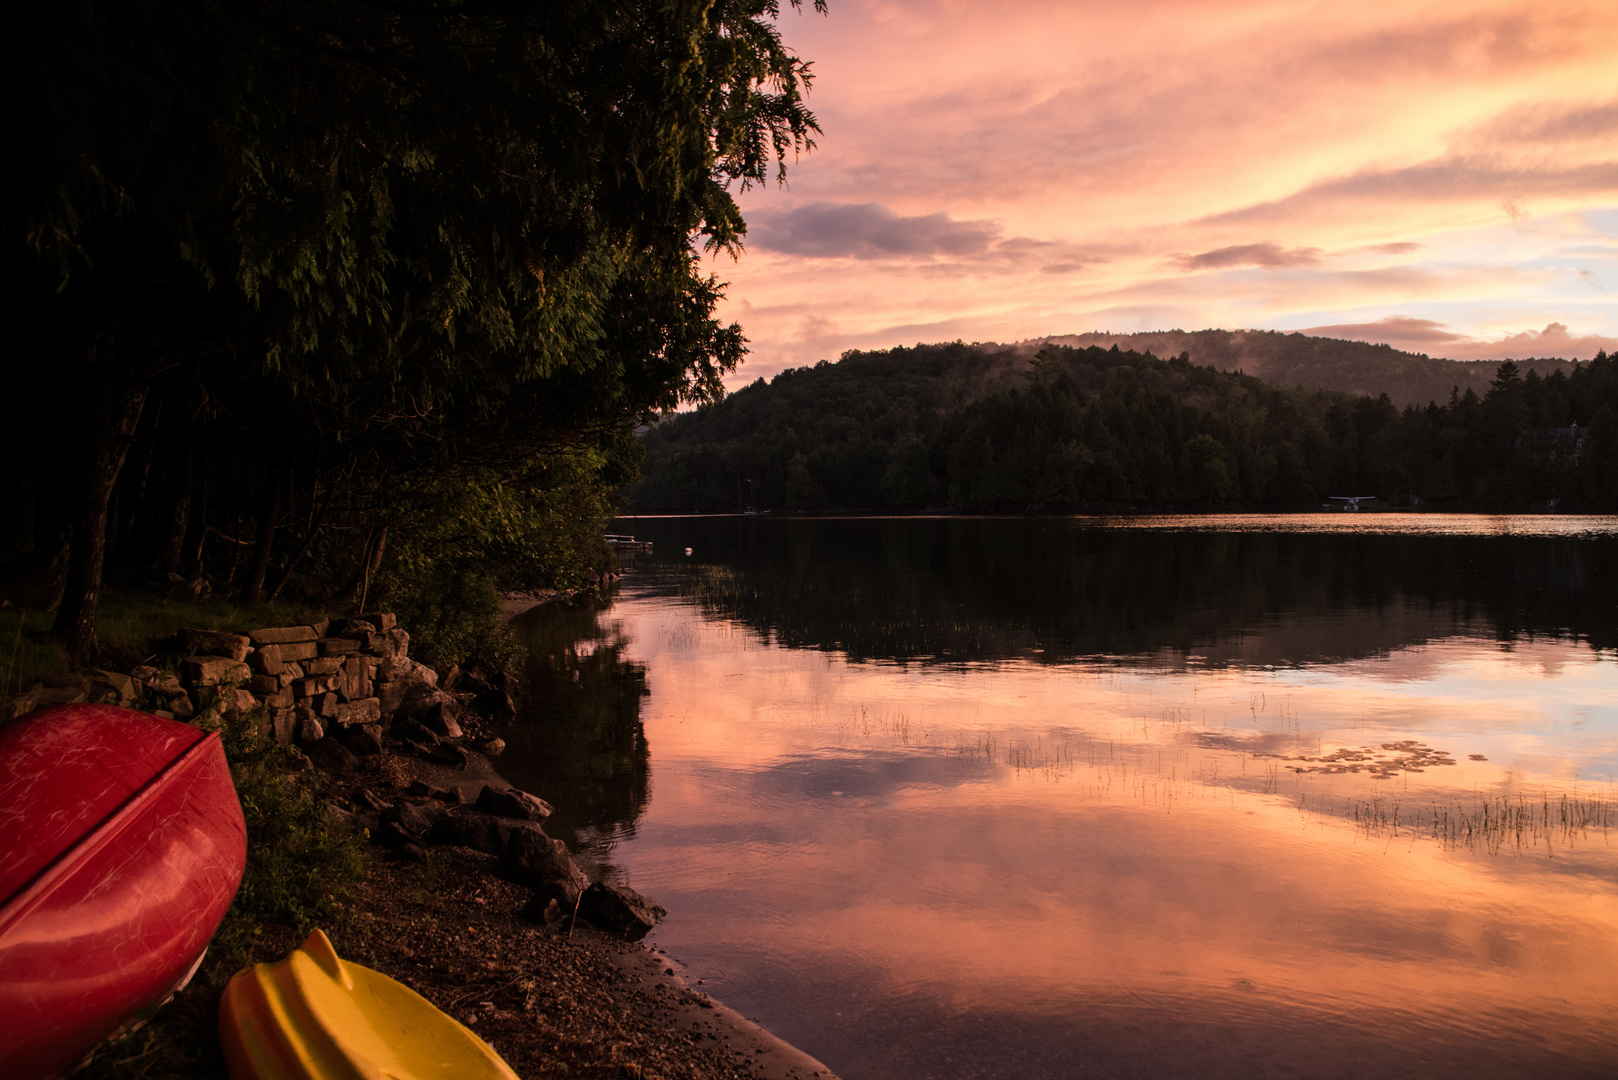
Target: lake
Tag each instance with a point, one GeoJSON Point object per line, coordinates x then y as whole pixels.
{"type": "Point", "coordinates": [1324, 795]}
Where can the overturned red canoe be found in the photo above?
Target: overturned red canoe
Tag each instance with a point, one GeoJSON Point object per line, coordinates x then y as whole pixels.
{"type": "Point", "coordinates": [121, 847]}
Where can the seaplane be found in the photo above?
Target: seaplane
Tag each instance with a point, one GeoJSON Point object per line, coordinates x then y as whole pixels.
{"type": "Point", "coordinates": [1351, 502]}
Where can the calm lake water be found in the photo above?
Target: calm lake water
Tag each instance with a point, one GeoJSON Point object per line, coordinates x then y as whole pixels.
{"type": "Point", "coordinates": [1326, 796]}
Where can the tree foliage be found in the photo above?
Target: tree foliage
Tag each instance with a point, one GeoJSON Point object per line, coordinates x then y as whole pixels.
{"type": "Point", "coordinates": [983, 429]}
{"type": "Point", "coordinates": [302, 258]}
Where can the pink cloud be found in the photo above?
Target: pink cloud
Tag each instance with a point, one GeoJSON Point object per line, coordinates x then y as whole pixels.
{"type": "Point", "coordinates": [1435, 339]}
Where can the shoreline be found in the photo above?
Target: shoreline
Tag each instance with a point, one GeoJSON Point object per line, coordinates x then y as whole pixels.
{"type": "Point", "coordinates": [553, 1004]}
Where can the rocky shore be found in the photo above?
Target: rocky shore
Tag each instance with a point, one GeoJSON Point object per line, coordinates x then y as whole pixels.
{"type": "Point", "coordinates": [467, 901]}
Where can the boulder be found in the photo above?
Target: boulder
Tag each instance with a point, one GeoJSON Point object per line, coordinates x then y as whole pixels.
{"type": "Point", "coordinates": [392, 834]}
{"type": "Point", "coordinates": [112, 686]}
{"type": "Point", "coordinates": [440, 718]}
{"type": "Point", "coordinates": [476, 831]}
{"type": "Point", "coordinates": [372, 801]}
{"type": "Point", "coordinates": [541, 862]}
{"type": "Point", "coordinates": [350, 628]}
{"type": "Point", "coordinates": [325, 706]}
{"type": "Point", "coordinates": [332, 756]}
{"type": "Point", "coordinates": [364, 711]}
{"type": "Point", "coordinates": [425, 790]}
{"type": "Point", "coordinates": [390, 693]}
{"type": "Point", "coordinates": [282, 635]}
{"type": "Point", "coordinates": [182, 708]}
{"type": "Point", "coordinates": [364, 740]}
{"type": "Point", "coordinates": [413, 731]}
{"type": "Point", "coordinates": [417, 820]}
{"type": "Point", "coordinates": [215, 643]}
{"type": "Point", "coordinates": [281, 699]}
{"type": "Point", "coordinates": [233, 701]}
{"type": "Point", "coordinates": [490, 747]}
{"type": "Point", "coordinates": [512, 803]}
{"type": "Point", "coordinates": [445, 754]}
{"type": "Point", "coordinates": [307, 726]}
{"type": "Point", "coordinates": [267, 660]}
{"type": "Point", "coordinates": [496, 705]}
{"type": "Point", "coordinates": [165, 683]}
{"type": "Point", "coordinates": [214, 670]}
{"type": "Point", "coordinates": [619, 910]}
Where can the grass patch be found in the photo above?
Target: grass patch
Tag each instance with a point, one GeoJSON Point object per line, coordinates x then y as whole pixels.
{"type": "Point", "coordinates": [133, 626]}
{"type": "Point", "coordinates": [301, 868]}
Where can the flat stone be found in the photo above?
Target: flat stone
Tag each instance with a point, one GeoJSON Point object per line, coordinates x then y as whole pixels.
{"type": "Point", "coordinates": [267, 660]}
{"type": "Point", "coordinates": [427, 791]}
{"type": "Point", "coordinates": [513, 803]}
{"type": "Point", "coordinates": [325, 705]}
{"type": "Point", "coordinates": [390, 692]}
{"type": "Point", "coordinates": [324, 665]}
{"type": "Point", "coordinates": [264, 684]}
{"type": "Point", "coordinates": [337, 646]}
{"type": "Point", "coordinates": [373, 801]}
{"type": "Point", "coordinates": [281, 635]}
{"type": "Point", "coordinates": [214, 670]}
{"type": "Point", "coordinates": [281, 699]}
{"type": "Point", "coordinates": [356, 675]}
{"type": "Point", "coordinates": [298, 650]}
{"type": "Point", "coordinates": [215, 643]}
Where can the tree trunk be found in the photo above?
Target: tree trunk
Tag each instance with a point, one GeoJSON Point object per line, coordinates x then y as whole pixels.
{"type": "Point", "coordinates": [119, 412]}
{"type": "Point", "coordinates": [180, 520]}
{"type": "Point", "coordinates": [253, 587]}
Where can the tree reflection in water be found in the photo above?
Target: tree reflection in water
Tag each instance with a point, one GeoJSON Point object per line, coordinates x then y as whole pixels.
{"type": "Point", "coordinates": [577, 740]}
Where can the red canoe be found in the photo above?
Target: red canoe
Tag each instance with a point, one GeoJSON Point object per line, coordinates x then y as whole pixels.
{"type": "Point", "coordinates": [121, 846]}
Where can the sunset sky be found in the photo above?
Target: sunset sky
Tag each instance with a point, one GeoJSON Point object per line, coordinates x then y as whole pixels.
{"type": "Point", "coordinates": [1442, 177]}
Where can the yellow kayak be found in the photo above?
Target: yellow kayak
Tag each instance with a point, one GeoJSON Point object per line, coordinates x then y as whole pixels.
{"type": "Point", "coordinates": [313, 1016]}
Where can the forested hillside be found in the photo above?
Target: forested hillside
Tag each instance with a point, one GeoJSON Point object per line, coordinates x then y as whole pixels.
{"type": "Point", "coordinates": [982, 429]}
{"type": "Point", "coordinates": [1316, 363]}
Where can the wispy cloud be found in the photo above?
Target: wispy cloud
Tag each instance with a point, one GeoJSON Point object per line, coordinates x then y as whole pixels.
{"type": "Point", "coordinates": [1250, 165]}
{"type": "Point", "coordinates": [1268, 256]}
{"type": "Point", "coordinates": [868, 231]}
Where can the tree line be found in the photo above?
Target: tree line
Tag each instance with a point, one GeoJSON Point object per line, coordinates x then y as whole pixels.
{"type": "Point", "coordinates": [1091, 430]}
{"type": "Point", "coordinates": [338, 297]}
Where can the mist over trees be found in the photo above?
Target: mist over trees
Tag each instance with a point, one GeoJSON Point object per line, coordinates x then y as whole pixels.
{"type": "Point", "coordinates": [980, 429]}
{"type": "Point", "coordinates": [344, 296]}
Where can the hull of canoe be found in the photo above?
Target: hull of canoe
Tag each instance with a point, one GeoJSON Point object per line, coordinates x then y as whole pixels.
{"type": "Point", "coordinates": [121, 847]}
{"type": "Point", "coordinates": [315, 1016]}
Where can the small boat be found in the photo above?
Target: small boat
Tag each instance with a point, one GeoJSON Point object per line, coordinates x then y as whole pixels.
{"type": "Point", "coordinates": [121, 847]}
{"type": "Point", "coordinates": [315, 1016]}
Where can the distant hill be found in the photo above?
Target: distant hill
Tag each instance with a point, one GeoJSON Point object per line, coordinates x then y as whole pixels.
{"type": "Point", "coordinates": [992, 428]}
{"type": "Point", "coordinates": [1315, 363]}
